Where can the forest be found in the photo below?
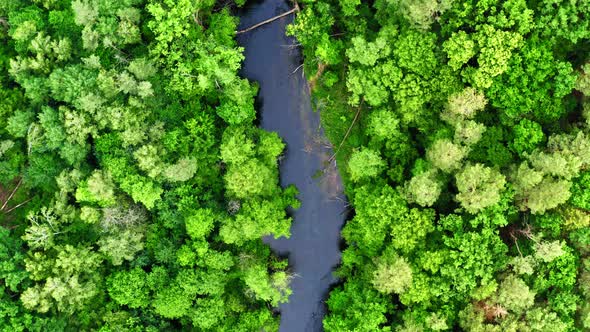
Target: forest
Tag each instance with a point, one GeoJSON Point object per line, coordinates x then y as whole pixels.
{"type": "Point", "coordinates": [465, 150]}
{"type": "Point", "coordinates": [136, 185]}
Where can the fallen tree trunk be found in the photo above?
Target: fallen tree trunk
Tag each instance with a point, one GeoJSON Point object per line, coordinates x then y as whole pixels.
{"type": "Point", "coordinates": [356, 116]}
{"type": "Point", "coordinates": [295, 9]}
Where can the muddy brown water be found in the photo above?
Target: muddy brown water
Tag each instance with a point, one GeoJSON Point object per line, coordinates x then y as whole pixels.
{"type": "Point", "coordinates": [273, 60]}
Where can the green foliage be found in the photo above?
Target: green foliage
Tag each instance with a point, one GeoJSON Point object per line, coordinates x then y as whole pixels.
{"type": "Point", "coordinates": [580, 191]}
{"type": "Point", "coordinates": [514, 295]}
{"type": "Point", "coordinates": [367, 53]}
{"type": "Point", "coordinates": [129, 288]}
{"type": "Point", "coordinates": [99, 189]}
{"type": "Point", "coordinates": [135, 188]}
{"type": "Point", "coordinates": [250, 179]}
{"type": "Point", "coordinates": [446, 155]}
{"type": "Point", "coordinates": [478, 185]}
{"type": "Point", "coordinates": [394, 276]}
{"type": "Point", "coordinates": [421, 13]}
{"type": "Point", "coordinates": [370, 308]}
{"type": "Point", "coordinates": [460, 48]}
{"type": "Point", "coordinates": [257, 218]}
{"type": "Point", "coordinates": [125, 203]}
{"type": "Point", "coordinates": [527, 136]}
{"type": "Point", "coordinates": [495, 50]}
{"type": "Point", "coordinates": [376, 209]}
{"type": "Point", "coordinates": [365, 164]}
{"type": "Point", "coordinates": [312, 27]}
{"type": "Point", "coordinates": [123, 245]}
{"type": "Point", "coordinates": [200, 224]}
{"type": "Point", "coordinates": [268, 287]}
{"type": "Point", "coordinates": [424, 189]}
{"type": "Point", "coordinates": [250, 173]}
{"type": "Point", "coordinates": [66, 282]}
{"type": "Point", "coordinates": [548, 81]}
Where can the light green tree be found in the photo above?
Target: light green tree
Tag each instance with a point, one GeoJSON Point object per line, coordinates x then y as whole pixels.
{"type": "Point", "coordinates": [468, 132]}
{"type": "Point", "coordinates": [270, 287]}
{"type": "Point", "coordinates": [183, 170]}
{"type": "Point", "coordinates": [200, 223]}
{"type": "Point", "coordinates": [99, 188]}
{"type": "Point", "coordinates": [122, 245]}
{"type": "Point", "coordinates": [547, 194]}
{"type": "Point", "coordinates": [85, 12]}
{"type": "Point", "coordinates": [548, 251]}
{"type": "Point", "coordinates": [422, 13]}
{"type": "Point", "coordinates": [424, 188]}
{"type": "Point", "coordinates": [252, 178]}
{"type": "Point", "coordinates": [464, 105]}
{"type": "Point", "coordinates": [383, 124]}
{"type": "Point", "coordinates": [479, 187]}
{"type": "Point", "coordinates": [66, 282]}
{"type": "Point", "coordinates": [367, 53]}
{"type": "Point", "coordinates": [236, 146]}
{"type": "Point", "coordinates": [460, 48]}
{"type": "Point", "coordinates": [392, 276]}
{"type": "Point", "coordinates": [495, 50]}
{"type": "Point", "coordinates": [514, 294]}
{"type": "Point", "coordinates": [446, 155]}
{"type": "Point", "coordinates": [365, 164]}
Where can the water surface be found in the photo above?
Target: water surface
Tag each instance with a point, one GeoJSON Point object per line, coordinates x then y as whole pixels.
{"type": "Point", "coordinates": [274, 62]}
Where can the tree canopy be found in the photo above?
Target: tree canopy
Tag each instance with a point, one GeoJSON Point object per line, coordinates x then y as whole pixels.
{"type": "Point", "coordinates": [131, 169]}
{"type": "Point", "coordinates": [466, 165]}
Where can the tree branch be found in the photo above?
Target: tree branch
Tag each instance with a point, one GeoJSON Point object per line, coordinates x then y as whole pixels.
{"type": "Point", "coordinates": [12, 194]}
{"type": "Point", "coordinates": [18, 205]}
{"type": "Point", "coordinates": [356, 116]}
{"type": "Point", "coordinates": [295, 9]}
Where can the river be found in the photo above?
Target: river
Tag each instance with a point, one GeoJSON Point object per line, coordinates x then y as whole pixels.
{"type": "Point", "coordinates": [284, 106]}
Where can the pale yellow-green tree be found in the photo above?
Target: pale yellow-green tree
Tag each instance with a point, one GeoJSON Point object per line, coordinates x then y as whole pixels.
{"type": "Point", "coordinates": [479, 187]}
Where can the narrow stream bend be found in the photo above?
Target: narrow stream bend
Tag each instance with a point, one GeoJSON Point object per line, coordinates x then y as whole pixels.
{"type": "Point", "coordinates": [284, 107]}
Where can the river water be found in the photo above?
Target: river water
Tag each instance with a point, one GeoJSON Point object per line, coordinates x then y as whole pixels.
{"type": "Point", "coordinates": [284, 106]}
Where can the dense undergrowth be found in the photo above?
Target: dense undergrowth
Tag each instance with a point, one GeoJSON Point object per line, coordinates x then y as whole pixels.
{"type": "Point", "coordinates": [134, 187]}
{"type": "Point", "coordinates": [468, 166]}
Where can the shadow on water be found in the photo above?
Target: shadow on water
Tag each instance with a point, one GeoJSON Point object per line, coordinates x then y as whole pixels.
{"type": "Point", "coordinates": [284, 106]}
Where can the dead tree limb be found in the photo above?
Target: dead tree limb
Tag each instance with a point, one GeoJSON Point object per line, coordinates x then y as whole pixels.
{"type": "Point", "coordinates": [356, 116]}
{"type": "Point", "coordinates": [18, 205]}
{"type": "Point", "coordinates": [295, 9]}
{"type": "Point", "coordinates": [20, 181]}
{"type": "Point", "coordinates": [516, 242]}
{"type": "Point", "coordinates": [296, 69]}
{"type": "Point", "coordinates": [196, 18]}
